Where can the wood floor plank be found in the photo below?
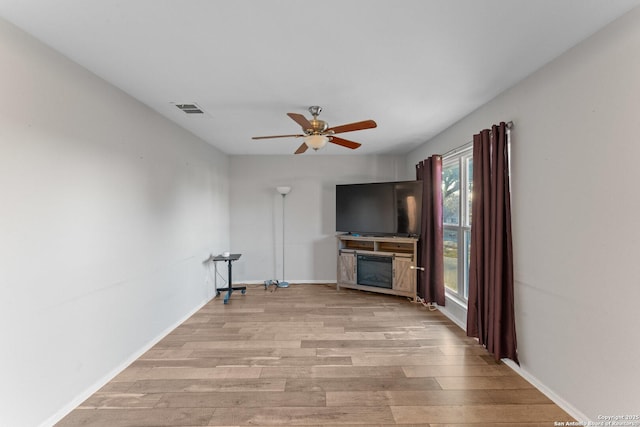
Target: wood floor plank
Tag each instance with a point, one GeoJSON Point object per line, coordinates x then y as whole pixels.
{"type": "Point", "coordinates": [407, 398]}
{"type": "Point", "coordinates": [350, 425]}
{"type": "Point", "coordinates": [204, 386]}
{"type": "Point", "coordinates": [294, 329]}
{"type": "Point", "coordinates": [283, 416]}
{"type": "Point", "coordinates": [378, 351]}
{"type": "Point", "coordinates": [351, 336]}
{"type": "Point", "coordinates": [241, 344]}
{"type": "Point", "coordinates": [357, 344]}
{"type": "Point", "coordinates": [457, 371]}
{"type": "Point", "coordinates": [421, 360]}
{"type": "Point", "coordinates": [478, 414]}
{"type": "Point", "coordinates": [259, 361]}
{"type": "Point", "coordinates": [158, 354]}
{"type": "Point", "coordinates": [276, 323]}
{"type": "Point", "coordinates": [486, 424]}
{"type": "Point", "coordinates": [231, 353]}
{"type": "Point", "coordinates": [456, 350]}
{"type": "Point", "coordinates": [253, 399]}
{"type": "Point", "coordinates": [219, 336]}
{"type": "Point", "coordinates": [511, 396]}
{"type": "Point", "coordinates": [483, 383]}
{"type": "Point", "coordinates": [312, 356]}
{"type": "Point", "coordinates": [127, 417]}
{"type": "Point", "coordinates": [360, 384]}
{"type": "Point", "coordinates": [331, 372]}
{"type": "Point", "coordinates": [122, 400]}
{"type": "Point", "coordinates": [172, 373]}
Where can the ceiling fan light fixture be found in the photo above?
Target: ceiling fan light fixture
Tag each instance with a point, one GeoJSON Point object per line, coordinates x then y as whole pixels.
{"type": "Point", "coordinates": [316, 141]}
{"type": "Point", "coordinates": [316, 133]}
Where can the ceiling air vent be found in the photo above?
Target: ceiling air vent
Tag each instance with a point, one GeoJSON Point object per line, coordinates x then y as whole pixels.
{"type": "Point", "coordinates": [190, 108]}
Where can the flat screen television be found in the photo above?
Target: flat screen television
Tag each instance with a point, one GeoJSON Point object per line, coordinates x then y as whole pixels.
{"type": "Point", "coordinates": [382, 208]}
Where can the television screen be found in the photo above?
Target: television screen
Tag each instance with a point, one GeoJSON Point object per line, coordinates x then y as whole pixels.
{"type": "Point", "coordinates": [383, 208]}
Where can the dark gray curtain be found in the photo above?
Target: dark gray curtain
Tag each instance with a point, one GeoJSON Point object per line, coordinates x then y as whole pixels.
{"type": "Point", "coordinates": [430, 246]}
{"type": "Point", "coordinates": [490, 315]}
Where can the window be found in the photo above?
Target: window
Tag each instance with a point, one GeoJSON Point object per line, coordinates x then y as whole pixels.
{"type": "Point", "coordinates": [457, 180]}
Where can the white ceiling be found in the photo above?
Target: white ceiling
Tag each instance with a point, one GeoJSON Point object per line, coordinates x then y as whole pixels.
{"type": "Point", "coordinates": [414, 66]}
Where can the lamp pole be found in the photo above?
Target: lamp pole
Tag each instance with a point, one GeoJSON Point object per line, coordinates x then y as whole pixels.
{"type": "Point", "coordinates": [284, 190]}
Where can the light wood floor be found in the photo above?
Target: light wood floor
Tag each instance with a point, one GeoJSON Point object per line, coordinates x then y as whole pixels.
{"type": "Point", "coordinates": [309, 355]}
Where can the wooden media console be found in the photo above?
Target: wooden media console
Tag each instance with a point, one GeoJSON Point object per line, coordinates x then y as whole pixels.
{"type": "Point", "coordinates": [378, 264]}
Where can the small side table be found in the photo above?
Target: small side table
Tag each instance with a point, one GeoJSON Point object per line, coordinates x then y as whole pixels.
{"type": "Point", "coordinates": [229, 259]}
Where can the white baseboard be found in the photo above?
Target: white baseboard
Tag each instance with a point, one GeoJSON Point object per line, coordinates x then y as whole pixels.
{"type": "Point", "coordinates": [566, 406]}
{"type": "Point", "coordinates": [451, 317]}
{"type": "Point", "coordinates": [293, 282]}
{"type": "Point", "coordinates": [65, 410]}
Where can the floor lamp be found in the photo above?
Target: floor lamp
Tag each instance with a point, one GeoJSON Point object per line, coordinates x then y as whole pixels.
{"type": "Point", "coordinates": [284, 190]}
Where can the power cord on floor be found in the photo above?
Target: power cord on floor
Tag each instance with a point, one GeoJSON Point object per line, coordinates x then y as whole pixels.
{"type": "Point", "coordinates": [430, 305]}
{"type": "Point", "coordinates": [216, 275]}
{"type": "Point", "coordinates": [212, 277]}
{"type": "Point", "coordinates": [269, 283]}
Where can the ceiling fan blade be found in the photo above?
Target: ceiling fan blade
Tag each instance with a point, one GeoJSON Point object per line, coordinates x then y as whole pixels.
{"type": "Point", "coordinates": [301, 120]}
{"type": "Point", "coordinates": [276, 136]}
{"type": "Point", "coordinates": [366, 124]}
{"type": "Point", "coordinates": [302, 148]}
{"type": "Point", "coordinates": [344, 142]}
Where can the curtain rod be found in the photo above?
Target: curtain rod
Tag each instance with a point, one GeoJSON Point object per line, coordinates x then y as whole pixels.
{"type": "Point", "coordinates": [509, 126]}
{"type": "Point", "coordinates": [456, 150]}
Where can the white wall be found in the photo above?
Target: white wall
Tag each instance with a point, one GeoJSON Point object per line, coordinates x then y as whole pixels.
{"type": "Point", "coordinates": [106, 213]}
{"type": "Point", "coordinates": [575, 151]}
{"type": "Point", "coordinates": [310, 243]}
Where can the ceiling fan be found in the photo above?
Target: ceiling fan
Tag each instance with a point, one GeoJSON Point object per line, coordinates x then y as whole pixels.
{"type": "Point", "coordinates": [317, 133]}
